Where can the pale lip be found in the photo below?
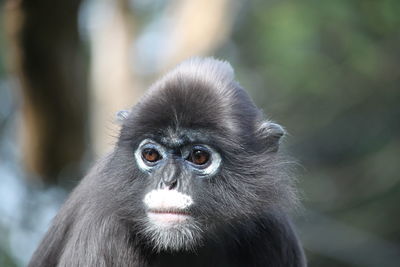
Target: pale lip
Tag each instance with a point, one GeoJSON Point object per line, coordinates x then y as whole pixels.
{"type": "Point", "coordinates": [167, 217]}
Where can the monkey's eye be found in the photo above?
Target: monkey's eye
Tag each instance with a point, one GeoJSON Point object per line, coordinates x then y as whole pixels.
{"type": "Point", "coordinates": [199, 156]}
{"type": "Point", "coordinates": [151, 155]}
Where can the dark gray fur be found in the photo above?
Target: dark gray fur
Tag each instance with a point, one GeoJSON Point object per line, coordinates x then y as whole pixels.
{"type": "Point", "coordinates": [241, 210]}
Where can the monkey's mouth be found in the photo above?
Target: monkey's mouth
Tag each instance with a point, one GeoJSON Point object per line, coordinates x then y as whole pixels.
{"type": "Point", "coordinates": [166, 217]}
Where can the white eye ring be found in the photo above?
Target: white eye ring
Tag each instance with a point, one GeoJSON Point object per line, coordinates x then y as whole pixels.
{"type": "Point", "coordinates": [138, 154]}
{"type": "Point", "coordinates": [215, 162]}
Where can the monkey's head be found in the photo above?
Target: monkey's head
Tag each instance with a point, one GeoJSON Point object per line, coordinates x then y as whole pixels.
{"type": "Point", "coordinates": [196, 155]}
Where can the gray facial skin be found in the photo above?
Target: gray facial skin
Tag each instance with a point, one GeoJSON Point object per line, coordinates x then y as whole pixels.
{"type": "Point", "coordinates": [195, 179]}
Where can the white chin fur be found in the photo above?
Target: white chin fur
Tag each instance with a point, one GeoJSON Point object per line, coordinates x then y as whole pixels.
{"type": "Point", "coordinates": [166, 227]}
{"type": "Point", "coordinates": [182, 236]}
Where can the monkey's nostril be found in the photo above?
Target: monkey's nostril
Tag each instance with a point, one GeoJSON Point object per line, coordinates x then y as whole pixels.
{"type": "Point", "coordinates": [168, 185]}
{"type": "Point", "coordinates": [173, 185]}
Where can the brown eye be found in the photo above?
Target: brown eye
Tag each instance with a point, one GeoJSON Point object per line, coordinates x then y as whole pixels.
{"type": "Point", "coordinates": [199, 157]}
{"type": "Point", "coordinates": [151, 155]}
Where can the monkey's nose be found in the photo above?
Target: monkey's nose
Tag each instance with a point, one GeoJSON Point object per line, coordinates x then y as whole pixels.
{"type": "Point", "coordinates": [169, 184]}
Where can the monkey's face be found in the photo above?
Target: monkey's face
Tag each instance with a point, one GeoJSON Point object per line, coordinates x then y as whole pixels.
{"type": "Point", "coordinates": [177, 169]}
{"type": "Point", "coordinates": [190, 184]}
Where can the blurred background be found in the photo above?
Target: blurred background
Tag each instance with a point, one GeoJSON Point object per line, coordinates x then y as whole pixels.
{"type": "Point", "coordinates": [329, 71]}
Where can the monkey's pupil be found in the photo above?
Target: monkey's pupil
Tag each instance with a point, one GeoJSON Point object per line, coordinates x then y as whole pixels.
{"type": "Point", "coordinates": [200, 157]}
{"type": "Point", "coordinates": [150, 154]}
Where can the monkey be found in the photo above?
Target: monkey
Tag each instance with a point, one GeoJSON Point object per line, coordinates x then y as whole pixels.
{"type": "Point", "coordinates": [196, 178]}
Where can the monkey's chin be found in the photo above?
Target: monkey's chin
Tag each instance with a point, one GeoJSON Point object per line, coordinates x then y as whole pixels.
{"type": "Point", "coordinates": [172, 231]}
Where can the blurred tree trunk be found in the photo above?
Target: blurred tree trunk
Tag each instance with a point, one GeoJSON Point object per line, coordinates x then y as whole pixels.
{"type": "Point", "coordinates": [113, 85]}
{"type": "Point", "coordinates": [47, 59]}
{"type": "Point", "coordinates": [199, 28]}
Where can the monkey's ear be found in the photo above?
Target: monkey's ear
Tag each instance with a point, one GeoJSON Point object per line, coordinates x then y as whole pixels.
{"type": "Point", "coordinates": [121, 116]}
{"type": "Point", "coordinates": [271, 133]}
